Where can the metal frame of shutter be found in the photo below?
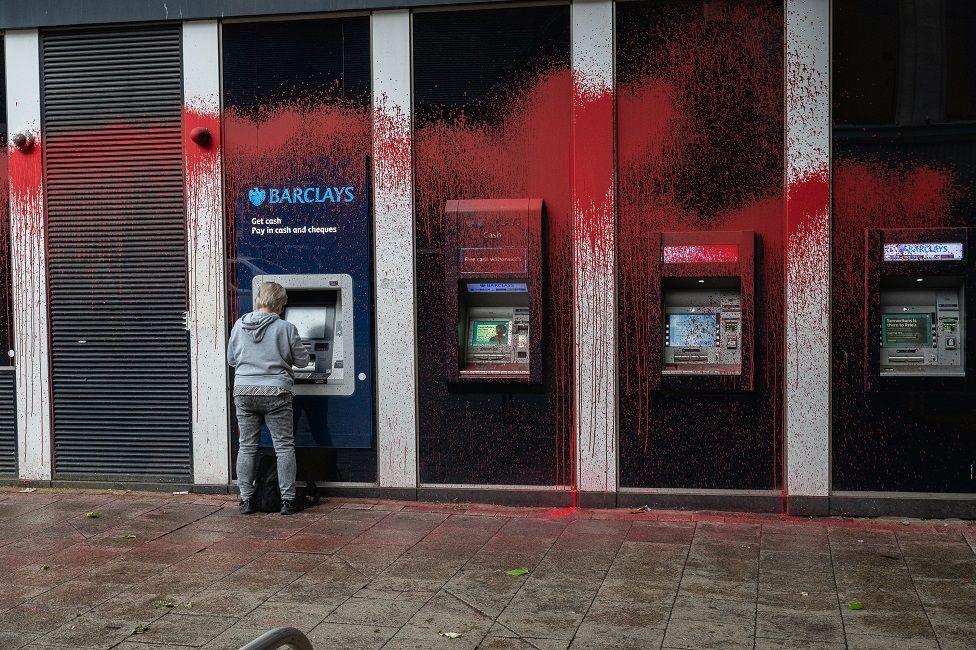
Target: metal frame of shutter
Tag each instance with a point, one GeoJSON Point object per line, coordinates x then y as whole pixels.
{"type": "Point", "coordinates": [111, 109]}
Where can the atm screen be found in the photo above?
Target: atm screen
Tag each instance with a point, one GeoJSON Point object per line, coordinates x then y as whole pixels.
{"type": "Point", "coordinates": [906, 330]}
{"type": "Point", "coordinates": [310, 321]}
{"type": "Point", "coordinates": [491, 332]}
{"type": "Point", "coordinates": [692, 330]}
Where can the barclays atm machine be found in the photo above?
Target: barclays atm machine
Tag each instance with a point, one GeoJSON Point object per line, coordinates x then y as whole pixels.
{"type": "Point", "coordinates": [493, 271]}
{"type": "Point", "coordinates": [917, 302]}
{"type": "Point", "coordinates": [702, 296]}
{"type": "Point", "coordinates": [320, 307]}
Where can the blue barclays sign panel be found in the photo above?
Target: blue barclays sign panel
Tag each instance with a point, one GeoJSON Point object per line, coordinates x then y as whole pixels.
{"type": "Point", "coordinates": [320, 224]}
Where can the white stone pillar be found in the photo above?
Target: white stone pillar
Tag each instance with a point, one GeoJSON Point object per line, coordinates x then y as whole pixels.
{"type": "Point", "coordinates": [207, 308]}
{"type": "Point", "coordinates": [808, 260]}
{"type": "Point", "coordinates": [594, 254]}
{"type": "Point", "coordinates": [28, 259]}
{"type": "Point", "coordinates": [396, 363]}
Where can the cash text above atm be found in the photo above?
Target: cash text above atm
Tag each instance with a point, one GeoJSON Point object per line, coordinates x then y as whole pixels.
{"type": "Point", "coordinates": [493, 275]}
{"type": "Point", "coordinates": [702, 307]}
{"type": "Point", "coordinates": [320, 307]}
{"type": "Point", "coordinates": [918, 292]}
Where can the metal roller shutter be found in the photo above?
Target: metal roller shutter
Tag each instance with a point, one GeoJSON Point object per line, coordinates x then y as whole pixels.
{"type": "Point", "coordinates": [8, 423]}
{"type": "Point", "coordinates": [112, 113]}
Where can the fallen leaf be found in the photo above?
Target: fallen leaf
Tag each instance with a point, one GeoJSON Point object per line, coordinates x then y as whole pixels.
{"type": "Point", "coordinates": [140, 629]}
{"type": "Point", "coordinates": [449, 635]}
{"type": "Point", "coordinates": [521, 571]}
{"type": "Point", "coordinates": [855, 605]}
{"type": "Point", "coordinates": [129, 536]}
{"type": "Point", "coordinates": [159, 604]}
{"type": "Point", "coordinates": [92, 515]}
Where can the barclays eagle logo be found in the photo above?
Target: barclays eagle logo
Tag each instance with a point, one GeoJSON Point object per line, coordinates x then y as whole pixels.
{"type": "Point", "coordinates": [257, 196]}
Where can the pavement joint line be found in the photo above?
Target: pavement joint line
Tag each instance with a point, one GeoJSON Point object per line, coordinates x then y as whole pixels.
{"type": "Point", "coordinates": [494, 619]}
{"type": "Point", "coordinates": [833, 575]}
{"type": "Point", "coordinates": [681, 578]}
{"type": "Point", "coordinates": [918, 597]}
{"type": "Point", "coordinates": [508, 603]}
{"type": "Point", "coordinates": [605, 574]}
{"type": "Point", "coordinates": [755, 613]}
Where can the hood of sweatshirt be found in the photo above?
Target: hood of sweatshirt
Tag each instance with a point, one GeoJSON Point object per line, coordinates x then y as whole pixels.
{"type": "Point", "coordinates": [256, 324]}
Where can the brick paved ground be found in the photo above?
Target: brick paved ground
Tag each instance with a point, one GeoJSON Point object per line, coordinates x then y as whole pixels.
{"type": "Point", "coordinates": [189, 571]}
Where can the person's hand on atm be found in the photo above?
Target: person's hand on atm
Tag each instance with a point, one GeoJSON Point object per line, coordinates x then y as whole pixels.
{"type": "Point", "coordinates": [299, 353]}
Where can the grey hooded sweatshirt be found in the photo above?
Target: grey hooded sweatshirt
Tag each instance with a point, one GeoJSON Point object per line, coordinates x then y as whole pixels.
{"type": "Point", "coordinates": [263, 348]}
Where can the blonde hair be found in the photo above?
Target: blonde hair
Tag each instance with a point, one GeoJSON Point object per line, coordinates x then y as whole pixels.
{"type": "Point", "coordinates": [271, 295]}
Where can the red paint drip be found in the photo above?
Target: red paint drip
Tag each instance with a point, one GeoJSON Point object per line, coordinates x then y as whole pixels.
{"type": "Point", "coordinates": [27, 251]}
{"type": "Point", "coordinates": [699, 139]}
{"type": "Point", "coordinates": [202, 194]}
{"type": "Point", "coordinates": [593, 236]}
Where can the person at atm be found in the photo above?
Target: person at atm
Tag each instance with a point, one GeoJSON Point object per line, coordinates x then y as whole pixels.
{"type": "Point", "coordinates": [501, 335]}
{"type": "Point", "coordinates": [262, 350]}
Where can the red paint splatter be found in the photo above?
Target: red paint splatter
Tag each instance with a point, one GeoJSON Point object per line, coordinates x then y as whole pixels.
{"type": "Point", "coordinates": [285, 140]}
{"type": "Point", "coordinates": [700, 146]}
{"type": "Point", "coordinates": [27, 254]}
{"type": "Point", "coordinates": [524, 154]}
{"type": "Point", "coordinates": [202, 197]}
{"type": "Point", "coordinates": [875, 446]}
{"type": "Point", "coordinates": [594, 267]}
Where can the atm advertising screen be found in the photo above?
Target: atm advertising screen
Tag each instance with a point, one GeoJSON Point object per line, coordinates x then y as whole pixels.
{"type": "Point", "coordinates": [310, 321]}
{"type": "Point", "coordinates": [906, 330]}
{"type": "Point", "coordinates": [490, 332]}
{"type": "Point", "coordinates": [692, 330]}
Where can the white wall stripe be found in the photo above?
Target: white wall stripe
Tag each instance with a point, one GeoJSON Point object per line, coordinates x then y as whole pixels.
{"type": "Point", "coordinates": [594, 245]}
{"type": "Point", "coordinates": [28, 260]}
{"type": "Point", "coordinates": [396, 384]}
{"type": "Point", "coordinates": [207, 316]}
{"type": "Point", "coordinates": [807, 401]}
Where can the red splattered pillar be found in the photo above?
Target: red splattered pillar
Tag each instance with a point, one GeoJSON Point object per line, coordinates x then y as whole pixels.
{"type": "Point", "coordinates": [593, 251]}
{"type": "Point", "coordinates": [206, 308]}
{"type": "Point", "coordinates": [396, 372]}
{"type": "Point", "coordinates": [28, 263]}
{"type": "Point", "coordinates": [807, 400]}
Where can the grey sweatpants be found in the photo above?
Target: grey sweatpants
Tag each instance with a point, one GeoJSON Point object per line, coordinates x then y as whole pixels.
{"type": "Point", "coordinates": [276, 411]}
